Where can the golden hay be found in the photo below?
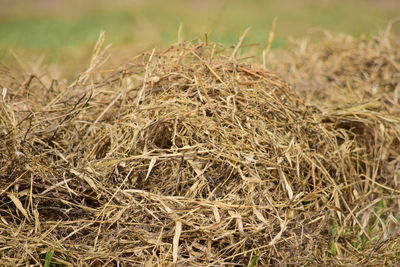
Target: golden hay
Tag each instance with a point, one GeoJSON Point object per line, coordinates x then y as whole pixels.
{"type": "Point", "coordinates": [188, 156]}
{"type": "Point", "coordinates": [341, 69]}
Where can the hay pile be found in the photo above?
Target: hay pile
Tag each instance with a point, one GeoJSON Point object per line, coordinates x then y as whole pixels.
{"type": "Point", "coordinates": [190, 156]}
{"type": "Point", "coordinates": [342, 69]}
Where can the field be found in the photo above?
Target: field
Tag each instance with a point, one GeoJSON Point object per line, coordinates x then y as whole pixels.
{"type": "Point", "coordinates": [211, 133]}
{"type": "Point", "coordinates": [65, 31]}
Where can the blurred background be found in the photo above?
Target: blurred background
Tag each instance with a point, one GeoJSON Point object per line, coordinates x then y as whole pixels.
{"type": "Point", "coordinates": [64, 31]}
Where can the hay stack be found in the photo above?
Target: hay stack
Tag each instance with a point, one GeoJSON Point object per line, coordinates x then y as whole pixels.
{"type": "Point", "coordinates": [189, 156]}
{"type": "Point", "coordinates": [342, 69]}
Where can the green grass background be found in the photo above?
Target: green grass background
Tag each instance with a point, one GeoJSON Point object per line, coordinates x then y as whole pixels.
{"type": "Point", "coordinates": [64, 31]}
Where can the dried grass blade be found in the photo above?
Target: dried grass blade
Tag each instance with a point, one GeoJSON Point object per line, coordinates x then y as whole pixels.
{"type": "Point", "coordinates": [175, 242]}
{"type": "Point", "coordinates": [19, 205]}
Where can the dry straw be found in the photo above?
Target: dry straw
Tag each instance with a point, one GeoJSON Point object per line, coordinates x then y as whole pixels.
{"type": "Point", "coordinates": [342, 69]}
{"type": "Point", "coordinates": [189, 157]}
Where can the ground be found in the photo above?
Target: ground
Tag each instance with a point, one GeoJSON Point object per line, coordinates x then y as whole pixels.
{"type": "Point", "coordinates": [65, 31]}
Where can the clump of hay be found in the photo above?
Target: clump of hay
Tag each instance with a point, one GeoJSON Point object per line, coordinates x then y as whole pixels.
{"type": "Point", "coordinates": [341, 69]}
{"type": "Point", "coordinates": [190, 156]}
